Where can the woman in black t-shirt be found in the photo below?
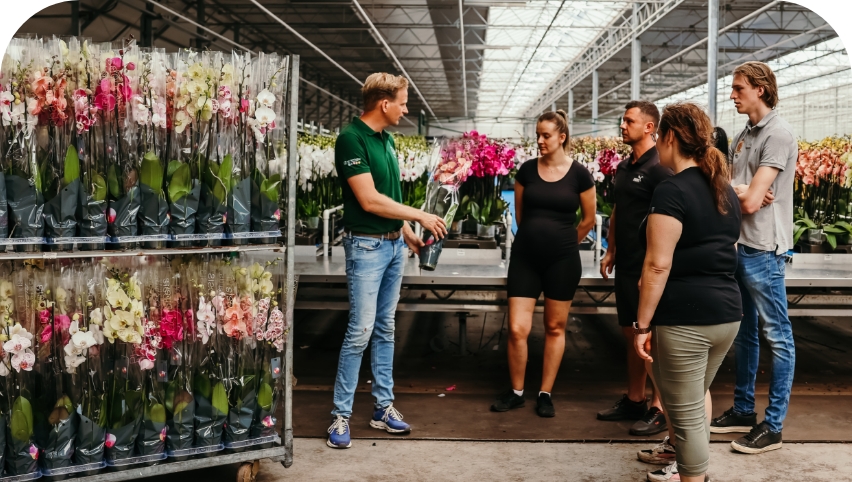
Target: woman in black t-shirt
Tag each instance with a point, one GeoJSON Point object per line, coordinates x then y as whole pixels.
{"type": "Point", "coordinates": [545, 256]}
{"type": "Point", "coordinates": [689, 302]}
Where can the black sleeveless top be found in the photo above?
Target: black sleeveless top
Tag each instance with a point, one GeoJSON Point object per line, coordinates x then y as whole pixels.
{"type": "Point", "coordinates": [546, 232]}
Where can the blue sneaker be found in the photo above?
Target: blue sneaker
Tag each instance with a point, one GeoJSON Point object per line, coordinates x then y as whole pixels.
{"type": "Point", "coordinates": [390, 420]}
{"type": "Point", "coordinates": [338, 434]}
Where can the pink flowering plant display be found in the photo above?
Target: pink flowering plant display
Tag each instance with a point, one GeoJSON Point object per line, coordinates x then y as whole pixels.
{"type": "Point", "coordinates": [203, 282]}
{"type": "Point", "coordinates": [25, 380]}
{"type": "Point", "coordinates": [492, 161]}
{"type": "Point", "coordinates": [601, 157]}
{"type": "Point", "coordinates": [270, 332]}
{"type": "Point", "coordinates": [23, 81]}
{"type": "Point", "coordinates": [114, 99]}
{"type": "Point", "coordinates": [150, 118]}
{"type": "Point", "coordinates": [822, 195]}
{"type": "Point", "coordinates": [83, 72]}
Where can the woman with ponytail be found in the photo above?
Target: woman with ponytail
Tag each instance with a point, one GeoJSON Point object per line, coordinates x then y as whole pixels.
{"type": "Point", "coordinates": [689, 303]}
{"type": "Point", "coordinates": [545, 255]}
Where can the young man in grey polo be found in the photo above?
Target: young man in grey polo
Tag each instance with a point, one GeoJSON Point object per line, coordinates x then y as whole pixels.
{"type": "Point", "coordinates": [374, 242]}
{"type": "Point", "coordinates": [764, 160]}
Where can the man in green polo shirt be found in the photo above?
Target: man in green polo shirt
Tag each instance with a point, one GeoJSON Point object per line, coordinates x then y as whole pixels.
{"type": "Point", "coordinates": [375, 245]}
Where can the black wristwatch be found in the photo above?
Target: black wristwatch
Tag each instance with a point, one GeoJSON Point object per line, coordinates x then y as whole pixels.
{"type": "Point", "coordinates": [640, 331]}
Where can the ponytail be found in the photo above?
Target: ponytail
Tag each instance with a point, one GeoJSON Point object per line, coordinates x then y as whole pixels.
{"type": "Point", "coordinates": [691, 126]}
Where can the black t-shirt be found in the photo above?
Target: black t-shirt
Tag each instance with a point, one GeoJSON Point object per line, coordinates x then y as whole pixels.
{"type": "Point", "coordinates": [701, 289]}
{"type": "Point", "coordinates": [549, 211]}
{"type": "Point", "coordinates": [634, 184]}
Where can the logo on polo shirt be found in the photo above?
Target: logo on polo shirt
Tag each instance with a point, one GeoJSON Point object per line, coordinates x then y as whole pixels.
{"type": "Point", "coordinates": [352, 162]}
{"type": "Point", "coordinates": [638, 178]}
{"type": "Point", "coordinates": [739, 148]}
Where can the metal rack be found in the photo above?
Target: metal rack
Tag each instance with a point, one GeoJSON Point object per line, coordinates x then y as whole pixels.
{"type": "Point", "coordinates": [282, 447]}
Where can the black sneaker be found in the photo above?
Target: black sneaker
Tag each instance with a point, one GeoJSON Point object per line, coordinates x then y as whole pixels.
{"type": "Point", "coordinates": [731, 422]}
{"type": "Point", "coordinates": [759, 440]}
{"type": "Point", "coordinates": [544, 406]}
{"type": "Point", "coordinates": [652, 423]}
{"type": "Point", "coordinates": [624, 409]}
{"type": "Point", "coordinates": [507, 401]}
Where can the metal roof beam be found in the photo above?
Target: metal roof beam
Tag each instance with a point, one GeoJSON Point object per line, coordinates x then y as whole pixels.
{"type": "Point", "coordinates": [612, 39]}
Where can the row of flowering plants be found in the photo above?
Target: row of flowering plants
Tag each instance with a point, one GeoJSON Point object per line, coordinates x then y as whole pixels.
{"type": "Point", "coordinates": [122, 363]}
{"type": "Point", "coordinates": [115, 143]}
{"type": "Point", "coordinates": [823, 191]}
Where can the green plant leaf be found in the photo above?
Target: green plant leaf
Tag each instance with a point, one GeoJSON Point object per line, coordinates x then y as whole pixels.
{"type": "Point", "coordinates": [112, 179]}
{"type": "Point", "coordinates": [155, 412]}
{"type": "Point", "coordinates": [152, 173]}
{"type": "Point", "coordinates": [222, 185]}
{"type": "Point", "coordinates": [171, 387]}
{"type": "Point", "coordinates": [98, 187]}
{"type": "Point", "coordinates": [201, 385]}
{"type": "Point", "coordinates": [72, 166]}
{"type": "Point", "coordinates": [269, 188]}
{"type": "Point", "coordinates": [844, 225]}
{"type": "Point", "coordinates": [172, 167]}
{"type": "Point", "coordinates": [180, 183]}
{"type": "Point", "coordinates": [833, 229]}
{"type": "Point", "coordinates": [798, 233]}
{"type": "Point", "coordinates": [22, 419]}
{"type": "Point", "coordinates": [264, 396]}
{"type": "Point", "coordinates": [220, 398]}
{"type": "Point", "coordinates": [832, 240]}
{"type": "Point", "coordinates": [475, 211]}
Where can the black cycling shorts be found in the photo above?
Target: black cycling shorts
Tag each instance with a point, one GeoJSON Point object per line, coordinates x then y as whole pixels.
{"type": "Point", "coordinates": [558, 279]}
{"type": "Point", "coordinates": [627, 298]}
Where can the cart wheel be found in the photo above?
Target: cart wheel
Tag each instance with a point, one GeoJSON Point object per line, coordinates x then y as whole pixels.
{"type": "Point", "coordinates": [248, 471]}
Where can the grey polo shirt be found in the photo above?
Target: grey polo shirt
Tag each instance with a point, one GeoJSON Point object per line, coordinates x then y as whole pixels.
{"type": "Point", "coordinates": [769, 143]}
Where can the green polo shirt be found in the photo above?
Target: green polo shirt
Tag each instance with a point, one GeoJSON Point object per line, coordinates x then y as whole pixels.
{"type": "Point", "coordinates": [358, 150]}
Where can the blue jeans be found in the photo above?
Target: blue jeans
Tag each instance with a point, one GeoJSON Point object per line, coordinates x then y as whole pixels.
{"type": "Point", "coordinates": [374, 270]}
{"type": "Point", "coordinates": [761, 278]}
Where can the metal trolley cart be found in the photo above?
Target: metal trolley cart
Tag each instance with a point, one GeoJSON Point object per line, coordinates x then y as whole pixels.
{"type": "Point", "coordinates": [248, 453]}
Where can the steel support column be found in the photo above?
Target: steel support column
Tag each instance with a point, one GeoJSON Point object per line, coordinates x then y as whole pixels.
{"type": "Point", "coordinates": [571, 110]}
{"type": "Point", "coordinates": [635, 56]}
{"type": "Point", "coordinates": [712, 57]}
{"type": "Point", "coordinates": [595, 90]}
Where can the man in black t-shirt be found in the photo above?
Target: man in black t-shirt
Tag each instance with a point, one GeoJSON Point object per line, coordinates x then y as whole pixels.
{"type": "Point", "coordinates": [634, 181]}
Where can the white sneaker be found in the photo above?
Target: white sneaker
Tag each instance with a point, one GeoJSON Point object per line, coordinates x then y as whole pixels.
{"type": "Point", "coordinates": [661, 454]}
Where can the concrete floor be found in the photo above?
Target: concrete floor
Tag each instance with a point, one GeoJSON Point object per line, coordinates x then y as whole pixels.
{"type": "Point", "coordinates": [455, 437]}
{"type": "Point", "coordinates": [423, 460]}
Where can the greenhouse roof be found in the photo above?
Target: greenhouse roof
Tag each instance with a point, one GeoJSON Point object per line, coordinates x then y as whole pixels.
{"type": "Point", "coordinates": [512, 58]}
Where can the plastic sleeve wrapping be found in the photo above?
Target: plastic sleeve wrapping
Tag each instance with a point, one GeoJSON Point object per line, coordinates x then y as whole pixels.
{"type": "Point", "coordinates": [60, 213]}
{"type": "Point", "coordinates": [183, 212]}
{"type": "Point", "coordinates": [26, 208]}
{"type": "Point", "coordinates": [123, 213]}
{"type": "Point", "coordinates": [239, 207]}
{"type": "Point", "coordinates": [4, 212]}
{"type": "Point", "coordinates": [153, 212]}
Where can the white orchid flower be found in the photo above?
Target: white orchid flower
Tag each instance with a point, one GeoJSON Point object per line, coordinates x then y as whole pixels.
{"type": "Point", "coordinates": [265, 98]}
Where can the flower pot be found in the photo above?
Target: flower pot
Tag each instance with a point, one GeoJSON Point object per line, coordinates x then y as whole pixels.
{"type": "Point", "coordinates": [429, 255]}
{"type": "Point", "coordinates": [455, 230]}
{"type": "Point", "coordinates": [312, 222]}
{"type": "Point", "coordinates": [485, 232]}
{"type": "Point", "coordinates": [816, 236]}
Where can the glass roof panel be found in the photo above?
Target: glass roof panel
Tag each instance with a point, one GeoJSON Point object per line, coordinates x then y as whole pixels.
{"type": "Point", "coordinates": [540, 45]}
{"type": "Point", "coordinates": [816, 68]}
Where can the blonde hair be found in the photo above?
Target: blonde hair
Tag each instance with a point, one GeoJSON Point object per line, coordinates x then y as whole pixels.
{"type": "Point", "coordinates": [381, 86]}
{"type": "Point", "coordinates": [759, 74]}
